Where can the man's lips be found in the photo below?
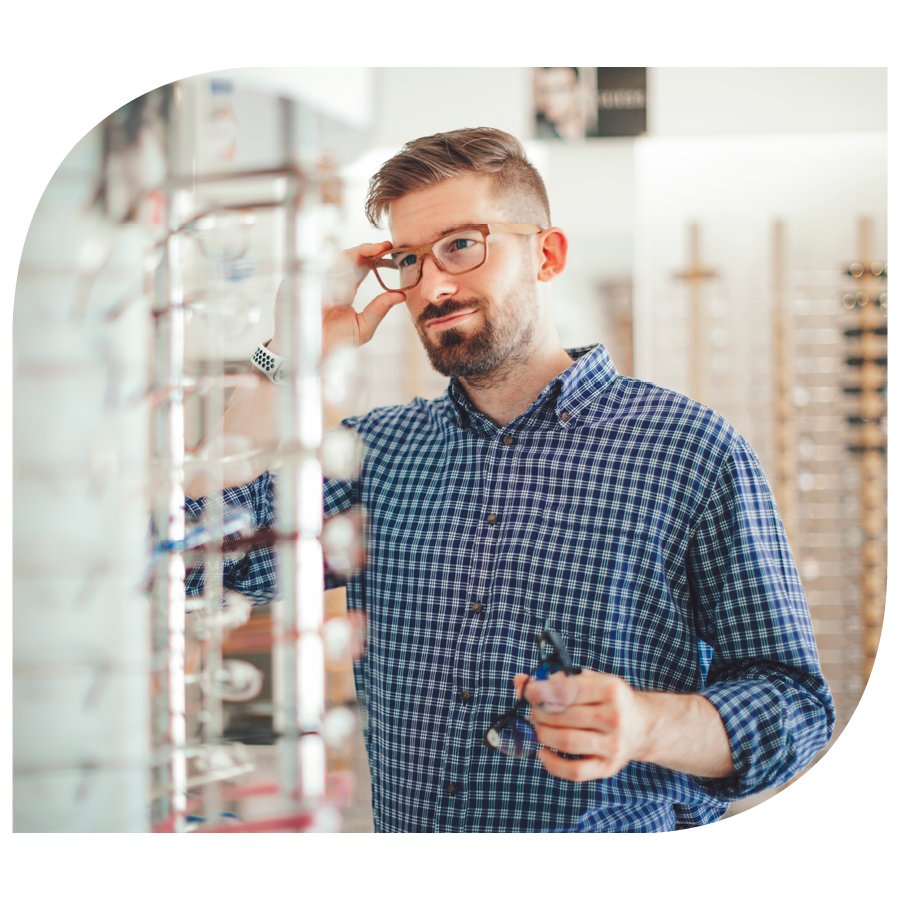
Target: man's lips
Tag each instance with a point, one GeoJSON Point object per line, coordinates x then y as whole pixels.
{"type": "Point", "coordinates": [450, 321]}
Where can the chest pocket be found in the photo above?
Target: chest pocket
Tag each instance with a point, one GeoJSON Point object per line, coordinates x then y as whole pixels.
{"type": "Point", "coordinates": [605, 588]}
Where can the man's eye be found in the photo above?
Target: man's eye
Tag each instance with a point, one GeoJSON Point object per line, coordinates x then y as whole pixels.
{"type": "Point", "coordinates": [461, 244]}
{"type": "Point", "coordinates": [404, 261]}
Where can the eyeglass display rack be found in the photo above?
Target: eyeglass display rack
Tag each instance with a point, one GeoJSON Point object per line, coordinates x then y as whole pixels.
{"type": "Point", "coordinates": [80, 655]}
{"type": "Point", "coordinates": [866, 339]}
{"type": "Point", "coordinates": [121, 681]}
{"type": "Point", "coordinates": [204, 780]}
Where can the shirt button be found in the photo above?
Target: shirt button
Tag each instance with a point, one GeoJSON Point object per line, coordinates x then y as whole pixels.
{"type": "Point", "coordinates": [492, 519]}
{"type": "Point", "coordinates": [452, 788]}
{"type": "Point", "coordinates": [465, 696]}
{"type": "Point", "coordinates": [509, 440]}
{"type": "Point", "coordinates": [564, 417]}
{"type": "Point", "coordinates": [477, 607]}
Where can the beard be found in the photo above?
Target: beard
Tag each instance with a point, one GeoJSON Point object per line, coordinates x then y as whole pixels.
{"type": "Point", "coordinates": [488, 353]}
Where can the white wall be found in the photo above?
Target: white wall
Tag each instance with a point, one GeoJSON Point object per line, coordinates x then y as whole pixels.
{"type": "Point", "coordinates": [593, 185]}
{"type": "Point", "coordinates": [735, 187]}
{"type": "Point", "coordinates": [800, 100]}
{"type": "Point", "coordinates": [413, 102]}
{"type": "Point", "coordinates": [346, 93]}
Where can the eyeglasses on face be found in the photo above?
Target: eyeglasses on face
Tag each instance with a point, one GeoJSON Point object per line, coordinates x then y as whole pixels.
{"type": "Point", "coordinates": [511, 733]}
{"type": "Point", "coordinates": [400, 268]}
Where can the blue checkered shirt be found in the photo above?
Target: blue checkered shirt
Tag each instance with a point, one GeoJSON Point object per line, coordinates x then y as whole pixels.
{"type": "Point", "coordinates": [639, 523]}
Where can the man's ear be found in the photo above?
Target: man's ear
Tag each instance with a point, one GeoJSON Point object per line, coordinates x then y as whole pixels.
{"type": "Point", "coordinates": [554, 249]}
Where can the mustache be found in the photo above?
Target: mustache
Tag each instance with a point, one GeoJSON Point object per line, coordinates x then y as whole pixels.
{"type": "Point", "coordinates": [448, 308]}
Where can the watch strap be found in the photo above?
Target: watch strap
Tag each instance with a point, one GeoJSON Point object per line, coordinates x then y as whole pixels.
{"type": "Point", "coordinates": [269, 364]}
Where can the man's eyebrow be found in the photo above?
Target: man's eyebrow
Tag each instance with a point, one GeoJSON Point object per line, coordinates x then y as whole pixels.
{"type": "Point", "coordinates": [463, 227]}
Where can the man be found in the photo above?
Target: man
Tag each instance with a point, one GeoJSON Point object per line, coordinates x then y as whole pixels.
{"type": "Point", "coordinates": [545, 489]}
{"type": "Point", "coordinates": [559, 103]}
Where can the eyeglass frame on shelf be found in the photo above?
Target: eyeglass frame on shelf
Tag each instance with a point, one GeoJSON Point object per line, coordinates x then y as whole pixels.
{"type": "Point", "coordinates": [426, 250]}
{"type": "Point", "coordinates": [558, 657]}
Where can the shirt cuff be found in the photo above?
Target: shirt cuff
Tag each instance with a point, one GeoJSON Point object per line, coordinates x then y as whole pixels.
{"type": "Point", "coordinates": [755, 715]}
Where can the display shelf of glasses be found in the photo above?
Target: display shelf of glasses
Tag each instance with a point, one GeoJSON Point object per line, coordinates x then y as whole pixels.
{"type": "Point", "coordinates": [240, 745]}
{"type": "Point", "coordinates": [831, 483]}
{"type": "Point", "coordinates": [865, 390]}
{"type": "Point", "coordinates": [79, 474]}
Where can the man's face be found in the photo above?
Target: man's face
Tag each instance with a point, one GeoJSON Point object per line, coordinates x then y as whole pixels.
{"type": "Point", "coordinates": [481, 322]}
{"type": "Point", "coordinates": [557, 93]}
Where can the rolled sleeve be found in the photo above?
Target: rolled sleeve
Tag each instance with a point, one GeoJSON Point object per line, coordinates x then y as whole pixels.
{"type": "Point", "coordinates": [764, 677]}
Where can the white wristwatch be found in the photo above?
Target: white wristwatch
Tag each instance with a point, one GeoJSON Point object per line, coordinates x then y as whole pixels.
{"type": "Point", "coordinates": [269, 364]}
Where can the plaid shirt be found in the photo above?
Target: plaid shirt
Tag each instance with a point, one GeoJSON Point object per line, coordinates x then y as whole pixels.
{"type": "Point", "coordinates": [639, 523]}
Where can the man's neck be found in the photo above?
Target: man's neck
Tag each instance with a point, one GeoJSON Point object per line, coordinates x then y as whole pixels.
{"type": "Point", "coordinates": [505, 396]}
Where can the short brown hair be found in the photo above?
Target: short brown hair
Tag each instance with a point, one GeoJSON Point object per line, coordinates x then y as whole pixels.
{"type": "Point", "coordinates": [430, 160]}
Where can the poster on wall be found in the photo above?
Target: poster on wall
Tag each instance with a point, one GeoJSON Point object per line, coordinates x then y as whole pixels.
{"type": "Point", "coordinates": [574, 103]}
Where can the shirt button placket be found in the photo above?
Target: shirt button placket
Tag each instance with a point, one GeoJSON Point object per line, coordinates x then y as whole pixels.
{"type": "Point", "coordinates": [455, 771]}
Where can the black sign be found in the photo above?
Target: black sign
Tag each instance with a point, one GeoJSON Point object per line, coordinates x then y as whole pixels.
{"type": "Point", "coordinates": [573, 103]}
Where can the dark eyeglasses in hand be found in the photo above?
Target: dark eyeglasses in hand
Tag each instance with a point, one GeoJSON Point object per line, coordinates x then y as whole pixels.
{"type": "Point", "coordinates": [511, 734]}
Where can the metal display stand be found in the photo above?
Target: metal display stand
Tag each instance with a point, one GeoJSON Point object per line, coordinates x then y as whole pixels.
{"type": "Point", "coordinates": [784, 411]}
{"type": "Point", "coordinates": [695, 277]}
{"type": "Point", "coordinates": [199, 776]}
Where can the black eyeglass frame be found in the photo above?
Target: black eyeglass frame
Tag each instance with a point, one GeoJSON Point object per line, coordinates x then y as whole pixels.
{"type": "Point", "coordinates": [426, 250]}
{"type": "Point", "coordinates": [555, 660]}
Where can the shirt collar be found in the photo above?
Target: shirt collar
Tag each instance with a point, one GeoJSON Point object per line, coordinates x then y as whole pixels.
{"type": "Point", "coordinates": [568, 394]}
{"type": "Point", "coordinates": [592, 373]}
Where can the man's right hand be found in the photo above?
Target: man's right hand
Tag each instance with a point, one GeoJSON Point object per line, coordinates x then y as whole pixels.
{"type": "Point", "coordinates": [341, 324]}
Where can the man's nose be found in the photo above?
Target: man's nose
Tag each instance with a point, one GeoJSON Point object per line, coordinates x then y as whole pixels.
{"type": "Point", "coordinates": [435, 284]}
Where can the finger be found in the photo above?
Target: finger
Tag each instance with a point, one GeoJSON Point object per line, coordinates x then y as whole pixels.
{"type": "Point", "coordinates": [362, 254]}
{"type": "Point", "coordinates": [373, 315]}
{"type": "Point", "coordinates": [518, 682]}
{"type": "Point", "coordinates": [553, 694]}
{"type": "Point", "coordinates": [579, 741]}
{"type": "Point", "coordinates": [579, 770]}
{"type": "Point", "coordinates": [594, 716]}
{"type": "Point", "coordinates": [588, 687]}
{"type": "Point", "coordinates": [349, 271]}
{"type": "Point", "coordinates": [605, 715]}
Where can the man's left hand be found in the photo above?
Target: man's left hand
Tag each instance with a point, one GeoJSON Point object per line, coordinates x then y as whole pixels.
{"type": "Point", "coordinates": [610, 724]}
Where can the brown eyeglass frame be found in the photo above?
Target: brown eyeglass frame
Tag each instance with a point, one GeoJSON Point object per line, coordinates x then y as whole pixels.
{"type": "Point", "coordinates": [425, 250]}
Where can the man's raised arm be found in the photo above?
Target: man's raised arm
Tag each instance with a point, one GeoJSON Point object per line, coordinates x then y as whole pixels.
{"type": "Point", "coordinates": [251, 418]}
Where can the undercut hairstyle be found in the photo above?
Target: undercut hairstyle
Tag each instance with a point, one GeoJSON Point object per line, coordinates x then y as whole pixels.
{"type": "Point", "coordinates": [428, 161]}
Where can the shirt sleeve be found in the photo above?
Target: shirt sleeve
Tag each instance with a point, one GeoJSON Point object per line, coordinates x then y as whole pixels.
{"type": "Point", "coordinates": [764, 677]}
{"type": "Point", "coordinates": [252, 571]}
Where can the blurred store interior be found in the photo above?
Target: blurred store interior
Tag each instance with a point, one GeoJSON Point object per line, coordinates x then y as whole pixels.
{"type": "Point", "coordinates": [728, 241]}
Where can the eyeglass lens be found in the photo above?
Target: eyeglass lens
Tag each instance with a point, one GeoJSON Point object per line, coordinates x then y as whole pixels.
{"type": "Point", "coordinates": [457, 253]}
{"type": "Point", "coordinates": [550, 689]}
{"type": "Point", "coordinates": [516, 739]}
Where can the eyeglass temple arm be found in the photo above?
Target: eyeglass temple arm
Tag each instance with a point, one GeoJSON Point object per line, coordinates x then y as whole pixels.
{"type": "Point", "coordinates": [506, 228]}
{"type": "Point", "coordinates": [501, 721]}
{"type": "Point", "coordinates": [559, 654]}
